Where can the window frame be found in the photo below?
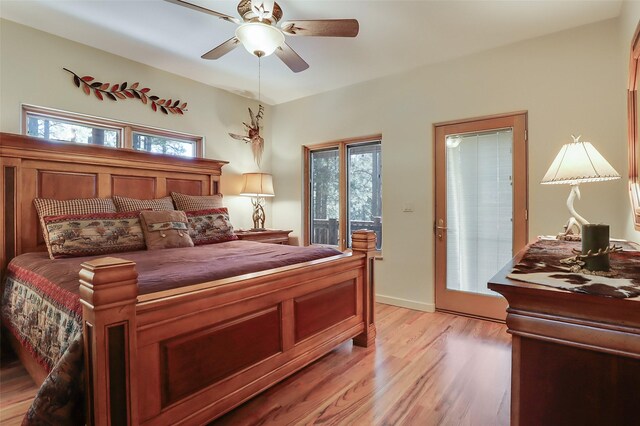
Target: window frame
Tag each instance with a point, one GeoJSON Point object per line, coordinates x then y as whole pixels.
{"type": "Point", "coordinates": [343, 190]}
{"type": "Point", "coordinates": [126, 129]}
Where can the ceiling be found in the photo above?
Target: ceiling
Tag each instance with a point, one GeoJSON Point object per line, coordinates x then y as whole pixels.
{"type": "Point", "coordinates": [395, 36]}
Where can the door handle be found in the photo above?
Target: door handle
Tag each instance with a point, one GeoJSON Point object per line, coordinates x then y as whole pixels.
{"type": "Point", "coordinates": [439, 228]}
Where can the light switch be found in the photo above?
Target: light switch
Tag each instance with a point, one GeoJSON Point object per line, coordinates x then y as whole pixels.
{"type": "Point", "coordinates": [407, 207]}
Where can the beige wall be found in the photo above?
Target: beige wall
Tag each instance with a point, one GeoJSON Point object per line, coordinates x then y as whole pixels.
{"type": "Point", "coordinates": [629, 18]}
{"type": "Point", "coordinates": [31, 72]}
{"type": "Point", "coordinates": [569, 82]}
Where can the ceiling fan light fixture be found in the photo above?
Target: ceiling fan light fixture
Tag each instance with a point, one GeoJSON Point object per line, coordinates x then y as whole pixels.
{"type": "Point", "coordinates": [259, 39]}
{"type": "Point", "coordinates": [263, 8]}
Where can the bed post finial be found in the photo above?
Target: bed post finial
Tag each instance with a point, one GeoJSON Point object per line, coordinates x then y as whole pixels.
{"type": "Point", "coordinates": [364, 241]}
{"type": "Point", "coordinates": [108, 292]}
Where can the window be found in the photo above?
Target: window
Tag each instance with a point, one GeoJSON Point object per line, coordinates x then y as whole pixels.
{"type": "Point", "coordinates": [164, 145]}
{"type": "Point", "coordinates": [343, 180]}
{"type": "Point", "coordinates": [71, 127]}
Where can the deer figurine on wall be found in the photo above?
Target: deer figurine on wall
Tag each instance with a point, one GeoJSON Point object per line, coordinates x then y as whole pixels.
{"type": "Point", "coordinates": [253, 135]}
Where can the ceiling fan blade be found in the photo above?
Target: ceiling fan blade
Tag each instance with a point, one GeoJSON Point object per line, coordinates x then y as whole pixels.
{"type": "Point", "coordinates": [222, 49]}
{"type": "Point", "coordinates": [205, 10]}
{"type": "Point", "coordinates": [291, 58]}
{"type": "Point", "coordinates": [322, 27]}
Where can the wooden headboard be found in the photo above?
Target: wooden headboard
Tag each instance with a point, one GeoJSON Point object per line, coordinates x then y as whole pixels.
{"type": "Point", "coordinates": [36, 168]}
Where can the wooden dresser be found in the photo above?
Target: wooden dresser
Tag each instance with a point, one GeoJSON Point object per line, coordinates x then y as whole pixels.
{"type": "Point", "coordinates": [576, 357]}
{"type": "Point", "coordinates": [273, 236]}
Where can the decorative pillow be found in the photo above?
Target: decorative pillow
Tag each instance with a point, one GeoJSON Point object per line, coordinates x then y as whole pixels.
{"type": "Point", "coordinates": [49, 207]}
{"type": "Point", "coordinates": [92, 234]}
{"type": "Point", "coordinates": [189, 203]}
{"type": "Point", "coordinates": [165, 229]}
{"type": "Point", "coordinates": [210, 226]}
{"type": "Point", "coordinates": [124, 204]}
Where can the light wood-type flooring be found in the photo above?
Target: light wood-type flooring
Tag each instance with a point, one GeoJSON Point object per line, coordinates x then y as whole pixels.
{"type": "Point", "coordinates": [425, 369]}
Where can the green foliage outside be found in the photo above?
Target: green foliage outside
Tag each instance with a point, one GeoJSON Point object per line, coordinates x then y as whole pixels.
{"type": "Point", "coordinates": [365, 193]}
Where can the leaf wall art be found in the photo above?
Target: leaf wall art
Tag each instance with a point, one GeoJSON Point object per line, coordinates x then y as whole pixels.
{"type": "Point", "coordinates": [122, 91]}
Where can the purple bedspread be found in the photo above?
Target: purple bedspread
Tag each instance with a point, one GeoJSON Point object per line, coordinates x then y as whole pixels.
{"type": "Point", "coordinates": [41, 305]}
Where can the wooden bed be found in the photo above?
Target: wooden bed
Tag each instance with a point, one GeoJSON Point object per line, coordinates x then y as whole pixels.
{"type": "Point", "coordinates": [148, 358]}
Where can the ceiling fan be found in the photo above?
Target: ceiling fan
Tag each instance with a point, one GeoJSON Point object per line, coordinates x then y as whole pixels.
{"type": "Point", "coordinates": [258, 31]}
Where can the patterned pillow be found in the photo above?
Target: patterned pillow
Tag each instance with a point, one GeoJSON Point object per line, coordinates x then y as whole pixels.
{"type": "Point", "coordinates": [165, 229]}
{"type": "Point", "coordinates": [189, 203]}
{"type": "Point", "coordinates": [93, 234]}
{"type": "Point", "coordinates": [124, 204]}
{"type": "Point", "coordinates": [210, 226]}
{"type": "Point", "coordinates": [49, 207]}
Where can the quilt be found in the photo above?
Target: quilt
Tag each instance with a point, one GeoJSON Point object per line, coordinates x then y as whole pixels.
{"type": "Point", "coordinates": [41, 306]}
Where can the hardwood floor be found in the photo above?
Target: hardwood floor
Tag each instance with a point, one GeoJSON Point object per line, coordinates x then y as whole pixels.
{"type": "Point", "coordinates": [16, 390]}
{"type": "Point", "coordinates": [425, 369]}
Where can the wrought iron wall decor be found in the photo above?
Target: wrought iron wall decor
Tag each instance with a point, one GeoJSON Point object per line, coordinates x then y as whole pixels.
{"type": "Point", "coordinates": [124, 91]}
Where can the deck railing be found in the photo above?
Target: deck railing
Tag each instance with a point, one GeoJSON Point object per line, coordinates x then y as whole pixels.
{"type": "Point", "coordinates": [325, 231]}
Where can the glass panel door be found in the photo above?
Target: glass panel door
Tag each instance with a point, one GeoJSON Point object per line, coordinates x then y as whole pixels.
{"type": "Point", "coordinates": [324, 183]}
{"type": "Point", "coordinates": [479, 208]}
{"type": "Point", "coordinates": [364, 165]}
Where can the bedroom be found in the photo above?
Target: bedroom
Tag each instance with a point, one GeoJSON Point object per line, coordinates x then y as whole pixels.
{"type": "Point", "coordinates": [569, 81]}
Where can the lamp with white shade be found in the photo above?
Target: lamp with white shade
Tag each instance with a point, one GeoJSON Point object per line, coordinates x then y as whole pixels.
{"type": "Point", "coordinates": [258, 186]}
{"type": "Point", "coordinates": [578, 162]}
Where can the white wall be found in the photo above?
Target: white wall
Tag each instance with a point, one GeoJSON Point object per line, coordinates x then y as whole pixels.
{"type": "Point", "coordinates": [569, 82]}
{"type": "Point", "coordinates": [31, 72]}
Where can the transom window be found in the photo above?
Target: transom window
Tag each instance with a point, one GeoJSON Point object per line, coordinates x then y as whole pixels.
{"type": "Point", "coordinates": [343, 191]}
{"type": "Point", "coordinates": [78, 128]}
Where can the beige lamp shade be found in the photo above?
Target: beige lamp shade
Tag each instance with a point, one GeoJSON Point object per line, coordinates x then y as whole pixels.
{"type": "Point", "coordinates": [257, 185]}
{"type": "Point", "coordinates": [579, 162]}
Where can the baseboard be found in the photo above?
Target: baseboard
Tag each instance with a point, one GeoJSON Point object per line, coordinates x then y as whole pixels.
{"type": "Point", "coordinates": [404, 303]}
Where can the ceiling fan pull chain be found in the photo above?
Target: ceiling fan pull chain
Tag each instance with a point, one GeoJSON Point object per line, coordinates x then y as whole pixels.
{"type": "Point", "coordinates": [259, 79]}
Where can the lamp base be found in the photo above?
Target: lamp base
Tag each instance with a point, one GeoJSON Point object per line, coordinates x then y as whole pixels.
{"type": "Point", "coordinates": [258, 214]}
{"type": "Point", "coordinates": [573, 228]}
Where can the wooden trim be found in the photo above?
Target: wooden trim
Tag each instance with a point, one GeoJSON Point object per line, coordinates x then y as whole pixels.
{"type": "Point", "coordinates": [365, 242]}
{"type": "Point", "coordinates": [458, 301]}
{"type": "Point", "coordinates": [480, 118]}
{"type": "Point", "coordinates": [343, 197]}
{"type": "Point", "coordinates": [10, 218]}
{"type": "Point", "coordinates": [306, 196]}
{"type": "Point", "coordinates": [341, 145]}
{"type": "Point", "coordinates": [273, 236]}
{"type": "Point", "coordinates": [108, 291]}
{"type": "Point", "coordinates": [74, 118]}
{"type": "Point", "coordinates": [34, 158]}
{"type": "Point", "coordinates": [127, 137]}
{"type": "Point", "coordinates": [125, 129]}
{"type": "Point", "coordinates": [632, 120]}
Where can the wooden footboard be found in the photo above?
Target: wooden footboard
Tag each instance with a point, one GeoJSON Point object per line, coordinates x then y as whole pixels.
{"type": "Point", "coordinates": [189, 355]}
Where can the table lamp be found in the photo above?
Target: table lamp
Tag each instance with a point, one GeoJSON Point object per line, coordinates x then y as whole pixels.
{"type": "Point", "coordinates": [258, 186]}
{"type": "Point", "coordinates": [578, 162]}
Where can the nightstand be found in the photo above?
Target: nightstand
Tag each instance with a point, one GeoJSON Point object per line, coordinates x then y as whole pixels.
{"type": "Point", "coordinates": [273, 236]}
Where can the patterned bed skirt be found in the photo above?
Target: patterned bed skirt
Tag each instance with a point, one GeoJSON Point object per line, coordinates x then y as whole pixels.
{"type": "Point", "coordinates": [47, 322]}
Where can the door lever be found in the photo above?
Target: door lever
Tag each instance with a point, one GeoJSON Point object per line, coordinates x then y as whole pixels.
{"type": "Point", "coordinates": [440, 228]}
